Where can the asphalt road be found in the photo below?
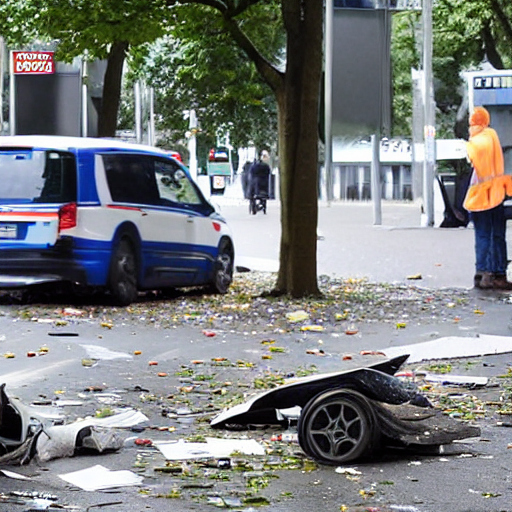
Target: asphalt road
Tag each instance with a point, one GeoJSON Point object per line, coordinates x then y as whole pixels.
{"type": "Point", "coordinates": [475, 477]}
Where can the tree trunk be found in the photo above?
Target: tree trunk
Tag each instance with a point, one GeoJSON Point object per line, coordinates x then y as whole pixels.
{"type": "Point", "coordinates": [298, 104]}
{"type": "Point", "coordinates": [107, 119]}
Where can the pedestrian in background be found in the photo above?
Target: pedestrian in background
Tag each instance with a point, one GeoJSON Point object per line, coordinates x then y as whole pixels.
{"type": "Point", "coordinates": [260, 175]}
{"type": "Point", "coordinates": [488, 188]}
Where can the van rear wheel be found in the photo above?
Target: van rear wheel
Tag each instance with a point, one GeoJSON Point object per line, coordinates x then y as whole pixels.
{"type": "Point", "coordinates": [123, 273]}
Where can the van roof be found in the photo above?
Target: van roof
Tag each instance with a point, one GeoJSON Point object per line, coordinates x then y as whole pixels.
{"type": "Point", "coordinates": [66, 143]}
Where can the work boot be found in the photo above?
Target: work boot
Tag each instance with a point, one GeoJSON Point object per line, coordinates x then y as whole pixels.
{"type": "Point", "coordinates": [477, 279]}
{"type": "Point", "coordinates": [487, 281]}
{"type": "Point", "coordinates": [500, 282]}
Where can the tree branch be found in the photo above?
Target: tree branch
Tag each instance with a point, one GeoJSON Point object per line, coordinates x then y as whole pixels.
{"type": "Point", "coordinates": [502, 18]}
{"type": "Point", "coordinates": [229, 9]}
{"type": "Point", "coordinates": [490, 48]}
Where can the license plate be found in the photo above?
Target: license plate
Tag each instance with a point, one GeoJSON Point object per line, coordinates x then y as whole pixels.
{"type": "Point", "coordinates": [8, 231]}
{"type": "Point", "coordinates": [219, 182]}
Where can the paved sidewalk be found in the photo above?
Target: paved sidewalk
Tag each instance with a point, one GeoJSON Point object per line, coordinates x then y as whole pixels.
{"type": "Point", "coordinates": [350, 245]}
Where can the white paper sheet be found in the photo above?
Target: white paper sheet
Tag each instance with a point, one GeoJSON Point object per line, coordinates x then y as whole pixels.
{"type": "Point", "coordinates": [453, 346]}
{"type": "Point", "coordinates": [99, 477]}
{"type": "Point", "coordinates": [214, 447]}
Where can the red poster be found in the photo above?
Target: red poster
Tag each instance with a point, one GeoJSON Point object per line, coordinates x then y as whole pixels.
{"type": "Point", "coordinates": [33, 63]}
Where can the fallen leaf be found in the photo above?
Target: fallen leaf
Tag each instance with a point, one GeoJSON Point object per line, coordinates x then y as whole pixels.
{"type": "Point", "coordinates": [313, 328]}
{"type": "Point", "coordinates": [297, 316]}
{"type": "Point", "coordinates": [371, 353]}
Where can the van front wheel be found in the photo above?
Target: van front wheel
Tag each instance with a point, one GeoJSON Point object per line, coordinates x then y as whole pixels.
{"type": "Point", "coordinates": [123, 273]}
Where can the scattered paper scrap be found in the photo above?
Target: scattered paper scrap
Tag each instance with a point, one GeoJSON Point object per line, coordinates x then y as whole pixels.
{"type": "Point", "coordinates": [11, 474]}
{"type": "Point", "coordinates": [214, 447]}
{"type": "Point", "coordinates": [99, 477]}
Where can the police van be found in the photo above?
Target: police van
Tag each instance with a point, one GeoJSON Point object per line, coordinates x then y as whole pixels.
{"type": "Point", "coordinates": [106, 214]}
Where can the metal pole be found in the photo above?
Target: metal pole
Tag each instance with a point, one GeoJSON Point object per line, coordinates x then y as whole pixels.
{"type": "Point", "coordinates": [138, 112]}
{"type": "Point", "coordinates": [12, 99]}
{"type": "Point", "coordinates": [375, 177]}
{"type": "Point", "coordinates": [429, 110]}
{"type": "Point", "coordinates": [192, 144]}
{"type": "Point", "coordinates": [151, 122]}
{"type": "Point", "coordinates": [85, 97]}
{"type": "Point", "coordinates": [329, 30]}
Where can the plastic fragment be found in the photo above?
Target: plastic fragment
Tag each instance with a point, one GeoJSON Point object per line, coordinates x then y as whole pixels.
{"type": "Point", "coordinates": [415, 277]}
{"type": "Point", "coordinates": [478, 312]}
{"type": "Point", "coordinates": [137, 352]}
{"type": "Point", "coordinates": [162, 374]}
{"type": "Point", "coordinates": [401, 325]}
{"type": "Point", "coordinates": [153, 363]}
{"type": "Point", "coordinates": [9, 355]}
{"type": "Point", "coordinates": [143, 442]}
{"type": "Point", "coordinates": [209, 334]}
{"type": "Point", "coordinates": [351, 331]}
{"type": "Point", "coordinates": [315, 351]}
{"type": "Point", "coordinates": [108, 325]}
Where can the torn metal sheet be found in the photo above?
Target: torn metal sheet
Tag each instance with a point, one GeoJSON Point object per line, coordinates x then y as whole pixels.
{"type": "Point", "coordinates": [98, 477]}
{"type": "Point", "coordinates": [376, 380]}
{"type": "Point", "coordinates": [453, 346]}
{"type": "Point", "coordinates": [29, 430]}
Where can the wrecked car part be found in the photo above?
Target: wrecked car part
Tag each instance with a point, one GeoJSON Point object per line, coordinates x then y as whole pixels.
{"type": "Point", "coordinates": [347, 415]}
{"type": "Point", "coordinates": [67, 440]}
{"type": "Point", "coordinates": [375, 381]}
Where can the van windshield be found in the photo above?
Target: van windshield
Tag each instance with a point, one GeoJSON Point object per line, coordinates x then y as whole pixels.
{"type": "Point", "coordinates": [37, 176]}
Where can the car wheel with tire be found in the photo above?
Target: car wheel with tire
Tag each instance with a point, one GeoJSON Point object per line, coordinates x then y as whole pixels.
{"type": "Point", "coordinates": [223, 268]}
{"type": "Point", "coordinates": [337, 427]}
{"type": "Point", "coordinates": [123, 273]}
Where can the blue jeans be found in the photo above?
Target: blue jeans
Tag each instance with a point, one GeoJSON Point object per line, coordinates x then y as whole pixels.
{"type": "Point", "coordinates": [490, 243]}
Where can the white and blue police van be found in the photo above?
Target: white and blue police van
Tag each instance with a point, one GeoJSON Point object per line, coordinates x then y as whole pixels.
{"type": "Point", "coordinates": [108, 215]}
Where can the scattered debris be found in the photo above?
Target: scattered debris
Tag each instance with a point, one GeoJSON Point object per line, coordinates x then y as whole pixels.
{"type": "Point", "coordinates": [99, 477]}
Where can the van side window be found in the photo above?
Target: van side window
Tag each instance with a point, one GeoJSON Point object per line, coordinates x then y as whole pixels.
{"type": "Point", "coordinates": [174, 185]}
{"type": "Point", "coordinates": [131, 178]}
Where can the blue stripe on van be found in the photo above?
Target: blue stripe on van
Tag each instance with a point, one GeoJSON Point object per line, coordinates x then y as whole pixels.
{"type": "Point", "coordinates": [161, 257]}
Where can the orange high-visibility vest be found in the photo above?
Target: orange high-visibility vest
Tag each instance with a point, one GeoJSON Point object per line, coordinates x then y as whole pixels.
{"type": "Point", "coordinates": [489, 185]}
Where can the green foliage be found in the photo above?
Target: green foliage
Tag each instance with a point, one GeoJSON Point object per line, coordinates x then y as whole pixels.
{"type": "Point", "coordinates": [197, 65]}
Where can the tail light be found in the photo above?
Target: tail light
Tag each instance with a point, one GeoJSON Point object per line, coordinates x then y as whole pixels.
{"type": "Point", "coordinates": [67, 216]}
